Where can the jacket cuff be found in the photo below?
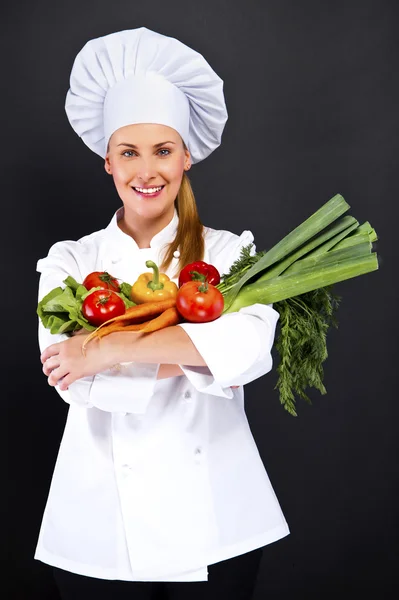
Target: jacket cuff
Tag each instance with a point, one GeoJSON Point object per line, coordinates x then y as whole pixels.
{"type": "Point", "coordinates": [203, 381]}
{"type": "Point", "coordinates": [78, 392]}
{"type": "Point", "coordinates": [236, 347]}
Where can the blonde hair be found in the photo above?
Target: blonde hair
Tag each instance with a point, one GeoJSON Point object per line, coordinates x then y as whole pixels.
{"type": "Point", "coordinates": [189, 238]}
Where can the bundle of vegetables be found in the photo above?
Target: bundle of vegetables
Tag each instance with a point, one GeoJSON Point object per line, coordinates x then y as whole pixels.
{"type": "Point", "coordinates": [161, 303]}
{"type": "Point", "coordinates": [298, 275]}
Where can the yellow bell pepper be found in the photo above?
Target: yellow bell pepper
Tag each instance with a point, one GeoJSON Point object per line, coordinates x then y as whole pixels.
{"type": "Point", "coordinates": [153, 287]}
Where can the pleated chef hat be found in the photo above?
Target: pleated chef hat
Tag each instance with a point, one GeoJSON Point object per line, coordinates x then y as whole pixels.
{"type": "Point", "coordinates": [140, 76]}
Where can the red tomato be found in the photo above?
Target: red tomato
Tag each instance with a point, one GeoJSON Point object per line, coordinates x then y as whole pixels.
{"type": "Point", "coordinates": [101, 279]}
{"type": "Point", "coordinates": [101, 305]}
{"type": "Point", "coordinates": [199, 271]}
{"type": "Point", "coordinates": [199, 302]}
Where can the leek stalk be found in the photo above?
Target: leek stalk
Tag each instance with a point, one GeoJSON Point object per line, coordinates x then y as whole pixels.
{"type": "Point", "coordinates": [322, 218]}
{"type": "Point", "coordinates": [306, 280]}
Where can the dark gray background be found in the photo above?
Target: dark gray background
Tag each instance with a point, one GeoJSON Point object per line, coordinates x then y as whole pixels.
{"type": "Point", "coordinates": [312, 95]}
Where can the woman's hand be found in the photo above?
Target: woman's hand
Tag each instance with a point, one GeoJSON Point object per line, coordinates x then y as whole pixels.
{"type": "Point", "coordinates": [65, 362]}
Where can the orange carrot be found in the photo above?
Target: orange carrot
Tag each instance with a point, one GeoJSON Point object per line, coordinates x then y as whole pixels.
{"type": "Point", "coordinates": [141, 312]}
{"type": "Point", "coordinates": [134, 315]}
{"type": "Point", "coordinates": [123, 326]}
{"type": "Point", "coordinates": [112, 326]}
{"type": "Point", "coordinates": [169, 317]}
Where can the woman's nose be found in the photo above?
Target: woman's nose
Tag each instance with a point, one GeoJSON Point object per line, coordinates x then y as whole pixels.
{"type": "Point", "coordinates": [145, 169]}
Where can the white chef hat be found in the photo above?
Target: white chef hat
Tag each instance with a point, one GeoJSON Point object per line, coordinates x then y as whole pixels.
{"type": "Point", "coordinates": [140, 76]}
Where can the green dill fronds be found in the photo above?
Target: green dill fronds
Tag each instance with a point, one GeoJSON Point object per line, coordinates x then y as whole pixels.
{"type": "Point", "coordinates": [239, 267]}
{"type": "Point", "coordinates": [302, 343]}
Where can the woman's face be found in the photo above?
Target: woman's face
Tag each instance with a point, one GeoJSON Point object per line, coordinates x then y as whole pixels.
{"type": "Point", "coordinates": [147, 155]}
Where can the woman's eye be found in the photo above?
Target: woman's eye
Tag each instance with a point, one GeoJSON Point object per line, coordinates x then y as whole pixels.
{"type": "Point", "coordinates": [128, 153]}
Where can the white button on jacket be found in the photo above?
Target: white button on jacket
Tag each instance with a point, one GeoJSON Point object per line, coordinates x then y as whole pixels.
{"type": "Point", "coordinates": [157, 479]}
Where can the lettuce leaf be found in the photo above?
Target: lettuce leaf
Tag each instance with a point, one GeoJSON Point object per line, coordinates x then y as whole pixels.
{"type": "Point", "coordinates": [126, 288]}
{"type": "Point", "coordinates": [60, 310]}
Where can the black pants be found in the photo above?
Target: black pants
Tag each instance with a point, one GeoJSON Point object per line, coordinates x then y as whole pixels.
{"type": "Point", "coordinates": [234, 579]}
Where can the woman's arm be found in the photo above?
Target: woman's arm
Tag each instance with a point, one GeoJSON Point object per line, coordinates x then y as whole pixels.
{"type": "Point", "coordinates": [170, 346]}
{"type": "Point", "coordinates": [165, 370]}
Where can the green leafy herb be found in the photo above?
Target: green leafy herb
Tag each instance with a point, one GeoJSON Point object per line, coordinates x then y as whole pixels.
{"type": "Point", "coordinates": [239, 267]}
{"type": "Point", "coordinates": [302, 343]}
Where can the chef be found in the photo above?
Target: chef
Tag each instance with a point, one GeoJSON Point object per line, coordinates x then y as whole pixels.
{"type": "Point", "coordinates": [158, 477]}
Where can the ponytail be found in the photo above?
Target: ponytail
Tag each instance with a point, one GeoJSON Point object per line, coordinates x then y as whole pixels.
{"type": "Point", "coordinates": [189, 238]}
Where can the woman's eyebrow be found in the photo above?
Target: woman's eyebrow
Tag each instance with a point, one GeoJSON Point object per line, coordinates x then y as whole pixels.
{"type": "Point", "coordinates": [155, 145]}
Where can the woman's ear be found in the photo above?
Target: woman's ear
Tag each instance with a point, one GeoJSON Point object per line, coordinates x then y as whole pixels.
{"type": "Point", "coordinates": [107, 165]}
{"type": "Point", "coordinates": [188, 161]}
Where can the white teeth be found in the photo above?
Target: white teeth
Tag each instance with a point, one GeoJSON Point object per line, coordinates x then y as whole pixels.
{"type": "Point", "coordinates": [149, 190]}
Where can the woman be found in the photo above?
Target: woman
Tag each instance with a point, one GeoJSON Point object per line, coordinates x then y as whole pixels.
{"type": "Point", "coordinates": [158, 481]}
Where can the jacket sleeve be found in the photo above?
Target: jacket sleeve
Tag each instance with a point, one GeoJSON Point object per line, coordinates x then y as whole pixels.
{"type": "Point", "coordinates": [128, 390]}
{"type": "Point", "coordinates": [236, 347]}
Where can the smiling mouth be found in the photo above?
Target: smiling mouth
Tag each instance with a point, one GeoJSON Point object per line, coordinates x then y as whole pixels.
{"type": "Point", "coordinates": [154, 190]}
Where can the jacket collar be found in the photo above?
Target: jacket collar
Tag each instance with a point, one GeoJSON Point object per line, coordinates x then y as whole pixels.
{"type": "Point", "coordinates": [119, 241]}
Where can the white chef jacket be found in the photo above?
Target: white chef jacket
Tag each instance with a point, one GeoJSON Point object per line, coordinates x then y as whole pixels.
{"type": "Point", "coordinates": [157, 479]}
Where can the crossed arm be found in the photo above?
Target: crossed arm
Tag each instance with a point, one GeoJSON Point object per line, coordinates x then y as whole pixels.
{"type": "Point", "coordinates": [65, 362]}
